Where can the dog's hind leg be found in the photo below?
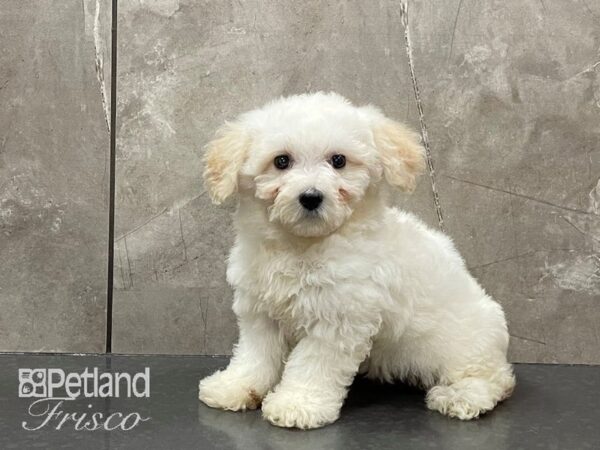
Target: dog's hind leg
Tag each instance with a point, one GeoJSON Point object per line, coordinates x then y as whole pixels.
{"type": "Point", "coordinates": [469, 393]}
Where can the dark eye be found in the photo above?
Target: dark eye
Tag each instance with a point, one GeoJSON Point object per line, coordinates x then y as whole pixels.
{"type": "Point", "coordinates": [338, 161]}
{"type": "Point", "coordinates": [282, 162]}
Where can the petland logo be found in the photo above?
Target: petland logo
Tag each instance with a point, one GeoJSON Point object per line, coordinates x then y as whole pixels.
{"type": "Point", "coordinates": [53, 389]}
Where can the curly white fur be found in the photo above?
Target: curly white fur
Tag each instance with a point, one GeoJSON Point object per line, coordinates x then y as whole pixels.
{"type": "Point", "coordinates": [353, 287]}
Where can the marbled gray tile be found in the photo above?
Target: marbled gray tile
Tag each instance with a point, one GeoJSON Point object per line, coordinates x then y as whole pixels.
{"type": "Point", "coordinates": [173, 320]}
{"type": "Point", "coordinates": [196, 64]}
{"type": "Point", "coordinates": [54, 147]}
{"type": "Point", "coordinates": [512, 102]}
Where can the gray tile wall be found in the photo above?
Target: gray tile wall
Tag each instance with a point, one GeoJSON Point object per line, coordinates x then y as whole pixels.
{"type": "Point", "coordinates": [54, 145]}
{"type": "Point", "coordinates": [206, 62]}
{"type": "Point", "coordinates": [511, 102]}
{"type": "Point", "coordinates": [511, 91]}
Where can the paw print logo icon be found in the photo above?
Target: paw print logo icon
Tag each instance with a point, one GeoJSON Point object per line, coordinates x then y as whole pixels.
{"type": "Point", "coordinates": [32, 382]}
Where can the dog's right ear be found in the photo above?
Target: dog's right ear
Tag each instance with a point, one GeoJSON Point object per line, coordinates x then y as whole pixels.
{"type": "Point", "coordinates": [223, 160]}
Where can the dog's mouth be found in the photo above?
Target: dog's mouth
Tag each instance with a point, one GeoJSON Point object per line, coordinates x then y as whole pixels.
{"type": "Point", "coordinates": [307, 220]}
{"type": "Point", "coordinates": [313, 224]}
{"type": "Point", "coordinates": [315, 214]}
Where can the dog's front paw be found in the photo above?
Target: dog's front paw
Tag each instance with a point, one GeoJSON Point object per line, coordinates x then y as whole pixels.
{"type": "Point", "coordinates": [459, 403]}
{"type": "Point", "coordinates": [298, 409]}
{"type": "Point", "coordinates": [224, 391]}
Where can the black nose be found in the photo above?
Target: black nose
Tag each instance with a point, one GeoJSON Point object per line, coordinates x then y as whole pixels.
{"type": "Point", "coordinates": [311, 199]}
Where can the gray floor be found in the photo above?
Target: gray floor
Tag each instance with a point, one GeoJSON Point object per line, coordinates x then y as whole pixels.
{"type": "Point", "coordinates": [554, 407]}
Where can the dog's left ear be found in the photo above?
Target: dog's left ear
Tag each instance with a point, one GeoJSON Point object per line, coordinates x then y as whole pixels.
{"type": "Point", "coordinates": [223, 160]}
{"type": "Point", "coordinates": [400, 151]}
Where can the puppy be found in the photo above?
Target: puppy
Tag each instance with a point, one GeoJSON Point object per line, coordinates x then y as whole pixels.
{"type": "Point", "coordinates": [330, 281]}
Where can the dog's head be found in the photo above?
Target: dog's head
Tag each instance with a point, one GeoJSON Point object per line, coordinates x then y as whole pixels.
{"type": "Point", "coordinates": [311, 160]}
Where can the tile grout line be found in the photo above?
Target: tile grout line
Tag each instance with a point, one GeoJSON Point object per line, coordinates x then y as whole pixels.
{"type": "Point", "coordinates": [111, 201]}
{"type": "Point", "coordinates": [424, 135]}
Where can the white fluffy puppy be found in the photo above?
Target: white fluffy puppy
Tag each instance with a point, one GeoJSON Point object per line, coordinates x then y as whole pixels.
{"type": "Point", "coordinates": [330, 281]}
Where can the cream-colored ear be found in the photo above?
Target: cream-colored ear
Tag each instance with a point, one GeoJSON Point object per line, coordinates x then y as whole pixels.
{"type": "Point", "coordinates": [400, 152]}
{"type": "Point", "coordinates": [223, 160]}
